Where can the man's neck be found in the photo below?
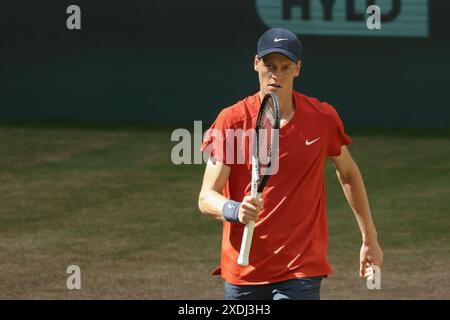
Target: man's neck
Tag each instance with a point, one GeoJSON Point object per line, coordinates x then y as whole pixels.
{"type": "Point", "coordinates": [287, 107]}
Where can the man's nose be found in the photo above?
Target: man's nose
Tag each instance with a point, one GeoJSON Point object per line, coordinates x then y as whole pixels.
{"type": "Point", "coordinates": [275, 75]}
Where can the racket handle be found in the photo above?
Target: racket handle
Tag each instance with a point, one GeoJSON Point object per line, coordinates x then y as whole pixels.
{"type": "Point", "coordinates": [246, 244]}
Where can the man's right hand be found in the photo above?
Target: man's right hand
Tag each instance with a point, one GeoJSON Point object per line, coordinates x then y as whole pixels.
{"type": "Point", "coordinates": [249, 209]}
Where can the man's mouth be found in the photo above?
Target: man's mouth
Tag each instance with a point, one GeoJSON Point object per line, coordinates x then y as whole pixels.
{"type": "Point", "coordinates": [275, 85]}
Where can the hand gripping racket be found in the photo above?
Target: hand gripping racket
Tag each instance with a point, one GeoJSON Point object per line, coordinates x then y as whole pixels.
{"type": "Point", "coordinates": [265, 149]}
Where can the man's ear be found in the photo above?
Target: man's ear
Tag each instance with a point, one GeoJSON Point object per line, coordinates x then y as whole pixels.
{"type": "Point", "coordinates": [255, 63]}
{"type": "Point", "coordinates": [298, 65]}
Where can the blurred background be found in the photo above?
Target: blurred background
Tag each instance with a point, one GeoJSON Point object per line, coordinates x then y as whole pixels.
{"type": "Point", "coordinates": [86, 118]}
{"type": "Point", "coordinates": [179, 61]}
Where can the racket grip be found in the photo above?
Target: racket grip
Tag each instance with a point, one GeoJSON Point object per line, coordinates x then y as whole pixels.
{"type": "Point", "coordinates": [247, 237]}
{"type": "Point", "coordinates": [246, 244]}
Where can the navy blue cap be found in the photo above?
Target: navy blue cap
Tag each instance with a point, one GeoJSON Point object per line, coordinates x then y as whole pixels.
{"type": "Point", "coordinates": [279, 40]}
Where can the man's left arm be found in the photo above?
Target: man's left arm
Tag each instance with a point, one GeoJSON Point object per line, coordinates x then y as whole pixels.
{"type": "Point", "coordinates": [355, 192]}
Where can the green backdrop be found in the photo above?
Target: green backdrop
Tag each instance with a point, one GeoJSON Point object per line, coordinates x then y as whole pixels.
{"type": "Point", "coordinates": [179, 61]}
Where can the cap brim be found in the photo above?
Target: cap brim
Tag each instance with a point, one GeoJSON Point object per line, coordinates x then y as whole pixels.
{"type": "Point", "coordinates": [289, 55]}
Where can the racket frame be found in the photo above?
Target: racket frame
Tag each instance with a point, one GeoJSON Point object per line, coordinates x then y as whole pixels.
{"type": "Point", "coordinates": [258, 184]}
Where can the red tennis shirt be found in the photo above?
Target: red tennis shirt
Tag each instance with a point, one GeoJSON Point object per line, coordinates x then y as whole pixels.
{"type": "Point", "coordinates": [290, 238]}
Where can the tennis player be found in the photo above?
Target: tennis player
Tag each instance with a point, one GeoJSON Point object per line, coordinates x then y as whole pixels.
{"type": "Point", "coordinates": [288, 256]}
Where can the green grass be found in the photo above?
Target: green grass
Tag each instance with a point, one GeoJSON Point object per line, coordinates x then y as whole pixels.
{"type": "Point", "coordinates": [109, 200]}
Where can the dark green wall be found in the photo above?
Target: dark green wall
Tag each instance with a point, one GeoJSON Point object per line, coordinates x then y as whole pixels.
{"type": "Point", "coordinates": [178, 61]}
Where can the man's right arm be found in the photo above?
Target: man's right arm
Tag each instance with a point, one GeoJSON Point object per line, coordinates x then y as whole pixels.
{"type": "Point", "coordinates": [211, 201]}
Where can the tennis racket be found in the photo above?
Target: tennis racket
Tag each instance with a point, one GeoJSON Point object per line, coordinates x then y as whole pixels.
{"type": "Point", "coordinates": [265, 148]}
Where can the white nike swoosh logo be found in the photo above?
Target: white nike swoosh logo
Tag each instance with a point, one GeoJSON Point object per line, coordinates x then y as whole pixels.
{"type": "Point", "coordinates": [311, 142]}
{"type": "Point", "coordinates": [278, 40]}
{"type": "Point", "coordinates": [230, 206]}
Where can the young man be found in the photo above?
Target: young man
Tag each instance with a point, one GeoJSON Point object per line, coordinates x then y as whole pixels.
{"type": "Point", "coordinates": [288, 254]}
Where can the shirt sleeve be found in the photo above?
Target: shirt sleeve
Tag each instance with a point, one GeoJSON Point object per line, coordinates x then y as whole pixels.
{"type": "Point", "coordinates": [215, 142]}
{"type": "Point", "coordinates": [337, 135]}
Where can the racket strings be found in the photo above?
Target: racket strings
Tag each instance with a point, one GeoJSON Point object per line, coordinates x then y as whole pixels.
{"type": "Point", "coordinates": [265, 135]}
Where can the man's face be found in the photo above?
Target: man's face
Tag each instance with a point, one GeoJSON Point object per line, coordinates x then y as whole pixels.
{"type": "Point", "coordinates": [276, 73]}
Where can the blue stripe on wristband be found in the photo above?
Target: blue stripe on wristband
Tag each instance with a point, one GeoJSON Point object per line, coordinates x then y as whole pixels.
{"type": "Point", "coordinates": [230, 210]}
